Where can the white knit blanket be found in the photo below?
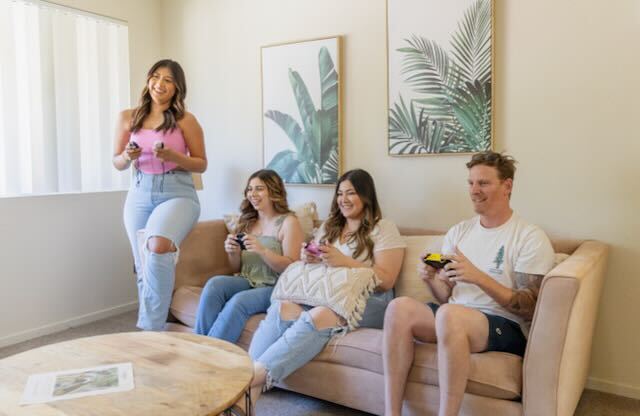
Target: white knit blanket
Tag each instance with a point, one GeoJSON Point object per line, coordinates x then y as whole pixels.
{"type": "Point", "coordinates": [344, 290]}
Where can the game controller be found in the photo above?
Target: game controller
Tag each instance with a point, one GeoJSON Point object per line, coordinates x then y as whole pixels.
{"type": "Point", "coordinates": [133, 145]}
{"type": "Point", "coordinates": [239, 239]}
{"type": "Point", "coordinates": [158, 145]}
{"type": "Point", "coordinates": [435, 260]}
{"type": "Point", "coordinates": [313, 248]}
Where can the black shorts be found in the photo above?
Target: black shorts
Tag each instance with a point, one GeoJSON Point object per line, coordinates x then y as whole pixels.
{"type": "Point", "coordinates": [505, 335]}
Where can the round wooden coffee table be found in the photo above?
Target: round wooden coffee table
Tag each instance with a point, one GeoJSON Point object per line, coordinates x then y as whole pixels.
{"type": "Point", "coordinates": [174, 374]}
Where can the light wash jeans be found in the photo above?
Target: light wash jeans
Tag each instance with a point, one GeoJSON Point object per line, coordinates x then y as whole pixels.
{"type": "Point", "coordinates": [284, 346]}
{"type": "Point", "coordinates": [226, 303]}
{"type": "Point", "coordinates": [165, 206]}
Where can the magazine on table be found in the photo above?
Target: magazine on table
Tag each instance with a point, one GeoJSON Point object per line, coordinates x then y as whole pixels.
{"type": "Point", "coordinates": [71, 384]}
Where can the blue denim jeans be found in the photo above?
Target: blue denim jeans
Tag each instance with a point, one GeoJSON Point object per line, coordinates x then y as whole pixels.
{"type": "Point", "coordinates": [226, 303]}
{"type": "Point", "coordinates": [284, 346]}
{"type": "Point", "coordinates": [165, 206]}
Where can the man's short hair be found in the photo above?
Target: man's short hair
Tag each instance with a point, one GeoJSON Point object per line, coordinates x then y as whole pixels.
{"type": "Point", "coordinates": [504, 164]}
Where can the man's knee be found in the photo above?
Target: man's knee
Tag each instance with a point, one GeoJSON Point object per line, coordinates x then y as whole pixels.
{"type": "Point", "coordinates": [400, 312]}
{"type": "Point", "coordinates": [449, 322]}
{"type": "Point", "coordinates": [160, 245]}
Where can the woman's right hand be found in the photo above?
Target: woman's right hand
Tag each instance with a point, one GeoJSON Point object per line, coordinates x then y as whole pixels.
{"type": "Point", "coordinates": [131, 153]}
{"type": "Point", "coordinates": [231, 246]}
{"type": "Point", "coordinates": [307, 257]}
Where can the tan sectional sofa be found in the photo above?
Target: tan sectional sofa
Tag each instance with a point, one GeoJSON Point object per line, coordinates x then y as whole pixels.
{"type": "Point", "coordinates": [547, 382]}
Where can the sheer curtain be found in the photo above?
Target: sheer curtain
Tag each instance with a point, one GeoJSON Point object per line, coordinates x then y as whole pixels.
{"type": "Point", "coordinates": [64, 77]}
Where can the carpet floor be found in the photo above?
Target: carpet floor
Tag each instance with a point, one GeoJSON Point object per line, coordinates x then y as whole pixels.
{"type": "Point", "coordinates": [284, 403]}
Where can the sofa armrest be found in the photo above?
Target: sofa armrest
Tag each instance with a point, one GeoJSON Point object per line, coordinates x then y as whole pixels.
{"type": "Point", "coordinates": [202, 254]}
{"type": "Point", "coordinates": [556, 362]}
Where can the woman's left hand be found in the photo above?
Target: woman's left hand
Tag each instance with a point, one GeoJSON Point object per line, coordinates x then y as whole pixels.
{"type": "Point", "coordinates": [333, 257]}
{"type": "Point", "coordinates": [252, 244]}
{"type": "Point", "coordinates": [165, 154]}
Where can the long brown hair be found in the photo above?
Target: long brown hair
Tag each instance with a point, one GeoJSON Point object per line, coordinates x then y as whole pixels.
{"type": "Point", "coordinates": [366, 190]}
{"type": "Point", "coordinates": [175, 111]}
{"type": "Point", "coordinates": [277, 195]}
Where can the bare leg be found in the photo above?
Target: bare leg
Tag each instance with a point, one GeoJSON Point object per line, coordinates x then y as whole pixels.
{"type": "Point", "coordinates": [460, 332]}
{"type": "Point", "coordinates": [406, 319]}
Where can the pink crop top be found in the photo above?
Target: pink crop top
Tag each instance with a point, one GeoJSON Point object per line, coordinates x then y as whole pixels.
{"type": "Point", "coordinates": [172, 139]}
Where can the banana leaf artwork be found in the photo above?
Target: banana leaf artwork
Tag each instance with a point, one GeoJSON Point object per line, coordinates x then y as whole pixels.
{"type": "Point", "coordinates": [300, 102]}
{"type": "Point", "coordinates": [440, 76]}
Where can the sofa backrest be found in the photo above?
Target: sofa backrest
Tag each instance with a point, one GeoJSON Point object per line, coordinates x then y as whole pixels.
{"type": "Point", "coordinates": [202, 256]}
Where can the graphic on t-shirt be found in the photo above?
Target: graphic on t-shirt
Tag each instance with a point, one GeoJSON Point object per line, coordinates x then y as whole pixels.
{"type": "Point", "coordinates": [498, 261]}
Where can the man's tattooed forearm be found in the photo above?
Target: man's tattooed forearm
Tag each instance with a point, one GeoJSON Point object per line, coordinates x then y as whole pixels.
{"type": "Point", "coordinates": [525, 294]}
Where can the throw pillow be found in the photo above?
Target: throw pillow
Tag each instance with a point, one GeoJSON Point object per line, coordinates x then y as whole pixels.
{"type": "Point", "coordinates": [344, 290]}
{"type": "Point", "coordinates": [409, 283]}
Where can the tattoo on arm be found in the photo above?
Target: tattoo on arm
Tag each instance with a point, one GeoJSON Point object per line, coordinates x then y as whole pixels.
{"type": "Point", "coordinates": [525, 294]}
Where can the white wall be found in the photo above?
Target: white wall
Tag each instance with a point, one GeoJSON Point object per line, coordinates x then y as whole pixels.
{"type": "Point", "coordinates": [65, 258]}
{"type": "Point", "coordinates": [566, 102]}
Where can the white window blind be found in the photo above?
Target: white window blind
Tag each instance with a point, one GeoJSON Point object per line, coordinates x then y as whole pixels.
{"type": "Point", "coordinates": [64, 77]}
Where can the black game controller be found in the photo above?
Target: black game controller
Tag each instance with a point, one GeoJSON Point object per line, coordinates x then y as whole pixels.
{"type": "Point", "coordinates": [435, 260]}
{"type": "Point", "coordinates": [133, 145]}
{"type": "Point", "coordinates": [239, 240]}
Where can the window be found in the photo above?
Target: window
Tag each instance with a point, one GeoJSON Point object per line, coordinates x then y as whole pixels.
{"type": "Point", "coordinates": [64, 77]}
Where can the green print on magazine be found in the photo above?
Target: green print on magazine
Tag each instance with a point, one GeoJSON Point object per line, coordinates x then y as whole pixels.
{"type": "Point", "coordinates": [315, 159]}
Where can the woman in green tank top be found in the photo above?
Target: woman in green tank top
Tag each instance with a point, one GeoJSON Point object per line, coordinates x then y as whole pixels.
{"type": "Point", "coordinates": [266, 240]}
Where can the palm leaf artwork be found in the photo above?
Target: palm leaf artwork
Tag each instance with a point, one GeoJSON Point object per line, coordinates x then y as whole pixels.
{"type": "Point", "coordinates": [315, 158]}
{"type": "Point", "coordinates": [451, 112]}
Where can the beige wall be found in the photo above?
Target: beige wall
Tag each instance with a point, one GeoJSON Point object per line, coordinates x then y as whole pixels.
{"type": "Point", "coordinates": [566, 102]}
{"type": "Point", "coordinates": [65, 258]}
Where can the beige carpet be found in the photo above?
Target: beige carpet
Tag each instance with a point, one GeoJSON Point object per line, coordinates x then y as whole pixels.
{"type": "Point", "coordinates": [284, 403]}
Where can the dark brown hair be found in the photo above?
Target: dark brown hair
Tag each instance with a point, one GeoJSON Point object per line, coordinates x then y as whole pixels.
{"type": "Point", "coordinates": [504, 164]}
{"type": "Point", "coordinates": [277, 195]}
{"type": "Point", "coordinates": [176, 109]}
{"type": "Point", "coordinates": [366, 190]}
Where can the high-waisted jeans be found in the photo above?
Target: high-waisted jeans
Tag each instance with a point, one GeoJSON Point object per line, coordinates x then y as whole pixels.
{"type": "Point", "coordinates": [165, 205]}
{"type": "Point", "coordinates": [284, 346]}
{"type": "Point", "coordinates": [226, 304]}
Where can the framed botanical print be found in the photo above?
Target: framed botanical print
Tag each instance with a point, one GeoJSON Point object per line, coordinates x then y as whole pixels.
{"type": "Point", "coordinates": [440, 62]}
{"type": "Point", "coordinates": [301, 110]}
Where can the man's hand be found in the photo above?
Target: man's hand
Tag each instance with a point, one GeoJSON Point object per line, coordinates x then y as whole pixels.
{"type": "Point", "coordinates": [462, 270]}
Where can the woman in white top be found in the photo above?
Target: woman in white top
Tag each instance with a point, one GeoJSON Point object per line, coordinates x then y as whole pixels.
{"type": "Point", "coordinates": [354, 235]}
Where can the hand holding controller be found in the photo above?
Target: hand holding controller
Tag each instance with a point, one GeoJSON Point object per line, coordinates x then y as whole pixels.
{"type": "Point", "coordinates": [435, 260]}
{"type": "Point", "coordinates": [313, 248]}
{"type": "Point", "coordinates": [132, 151]}
{"type": "Point", "coordinates": [240, 240]}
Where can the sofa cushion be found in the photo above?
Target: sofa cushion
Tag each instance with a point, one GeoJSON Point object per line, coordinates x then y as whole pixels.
{"type": "Point", "coordinates": [492, 374]}
{"type": "Point", "coordinates": [409, 283]}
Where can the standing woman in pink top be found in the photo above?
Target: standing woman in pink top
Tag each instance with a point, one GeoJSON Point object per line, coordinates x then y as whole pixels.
{"type": "Point", "coordinates": [165, 144]}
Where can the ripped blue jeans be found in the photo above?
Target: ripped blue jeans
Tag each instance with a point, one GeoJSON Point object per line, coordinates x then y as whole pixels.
{"type": "Point", "coordinates": [165, 205]}
{"type": "Point", "coordinates": [284, 346]}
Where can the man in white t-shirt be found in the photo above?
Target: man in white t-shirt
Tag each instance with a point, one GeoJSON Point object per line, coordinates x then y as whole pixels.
{"type": "Point", "coordinates": [487, 293]}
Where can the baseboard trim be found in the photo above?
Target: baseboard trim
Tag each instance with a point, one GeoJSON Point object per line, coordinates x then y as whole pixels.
{"type": "Point", "coordinates": [619, 389]}
{"type": "Point", "coordinates": [70, 323]}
